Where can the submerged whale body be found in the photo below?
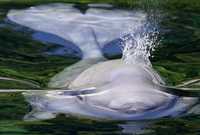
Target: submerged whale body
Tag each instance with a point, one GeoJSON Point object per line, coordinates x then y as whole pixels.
{"type": "Point", "coordinates": [115, 91]}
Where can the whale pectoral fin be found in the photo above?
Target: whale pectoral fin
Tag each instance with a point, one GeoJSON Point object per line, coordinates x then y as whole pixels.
{"type": "Point", "coordinates": [39, 115]}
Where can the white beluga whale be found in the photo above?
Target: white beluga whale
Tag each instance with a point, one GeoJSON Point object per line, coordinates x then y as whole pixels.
{"type": "Point", "coordinates": [124, 89]}
{"type": "Point", "coordinates": [90, 31]}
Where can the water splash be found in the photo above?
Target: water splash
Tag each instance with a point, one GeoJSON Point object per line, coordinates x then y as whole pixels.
{"type": "Point", "coordinates": [139, 43]}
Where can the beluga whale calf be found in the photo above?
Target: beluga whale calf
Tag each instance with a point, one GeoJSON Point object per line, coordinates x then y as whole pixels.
{"type": "Point", "coordinates": [123, 89]}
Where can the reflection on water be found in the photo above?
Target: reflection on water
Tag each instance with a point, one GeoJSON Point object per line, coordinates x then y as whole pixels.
{"type": "Point", "coordinates": [14, 107]}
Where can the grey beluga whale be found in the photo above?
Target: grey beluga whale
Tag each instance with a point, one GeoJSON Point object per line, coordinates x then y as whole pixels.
{"type": "Point", "coordinates": [90, 31]}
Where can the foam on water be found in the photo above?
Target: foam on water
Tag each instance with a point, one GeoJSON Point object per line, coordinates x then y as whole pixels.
{"type": "Point", "coordinates": [118, 89]}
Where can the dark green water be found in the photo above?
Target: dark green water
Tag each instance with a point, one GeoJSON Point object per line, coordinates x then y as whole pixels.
{"type": "Point", "coordinates": [177, 59]}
